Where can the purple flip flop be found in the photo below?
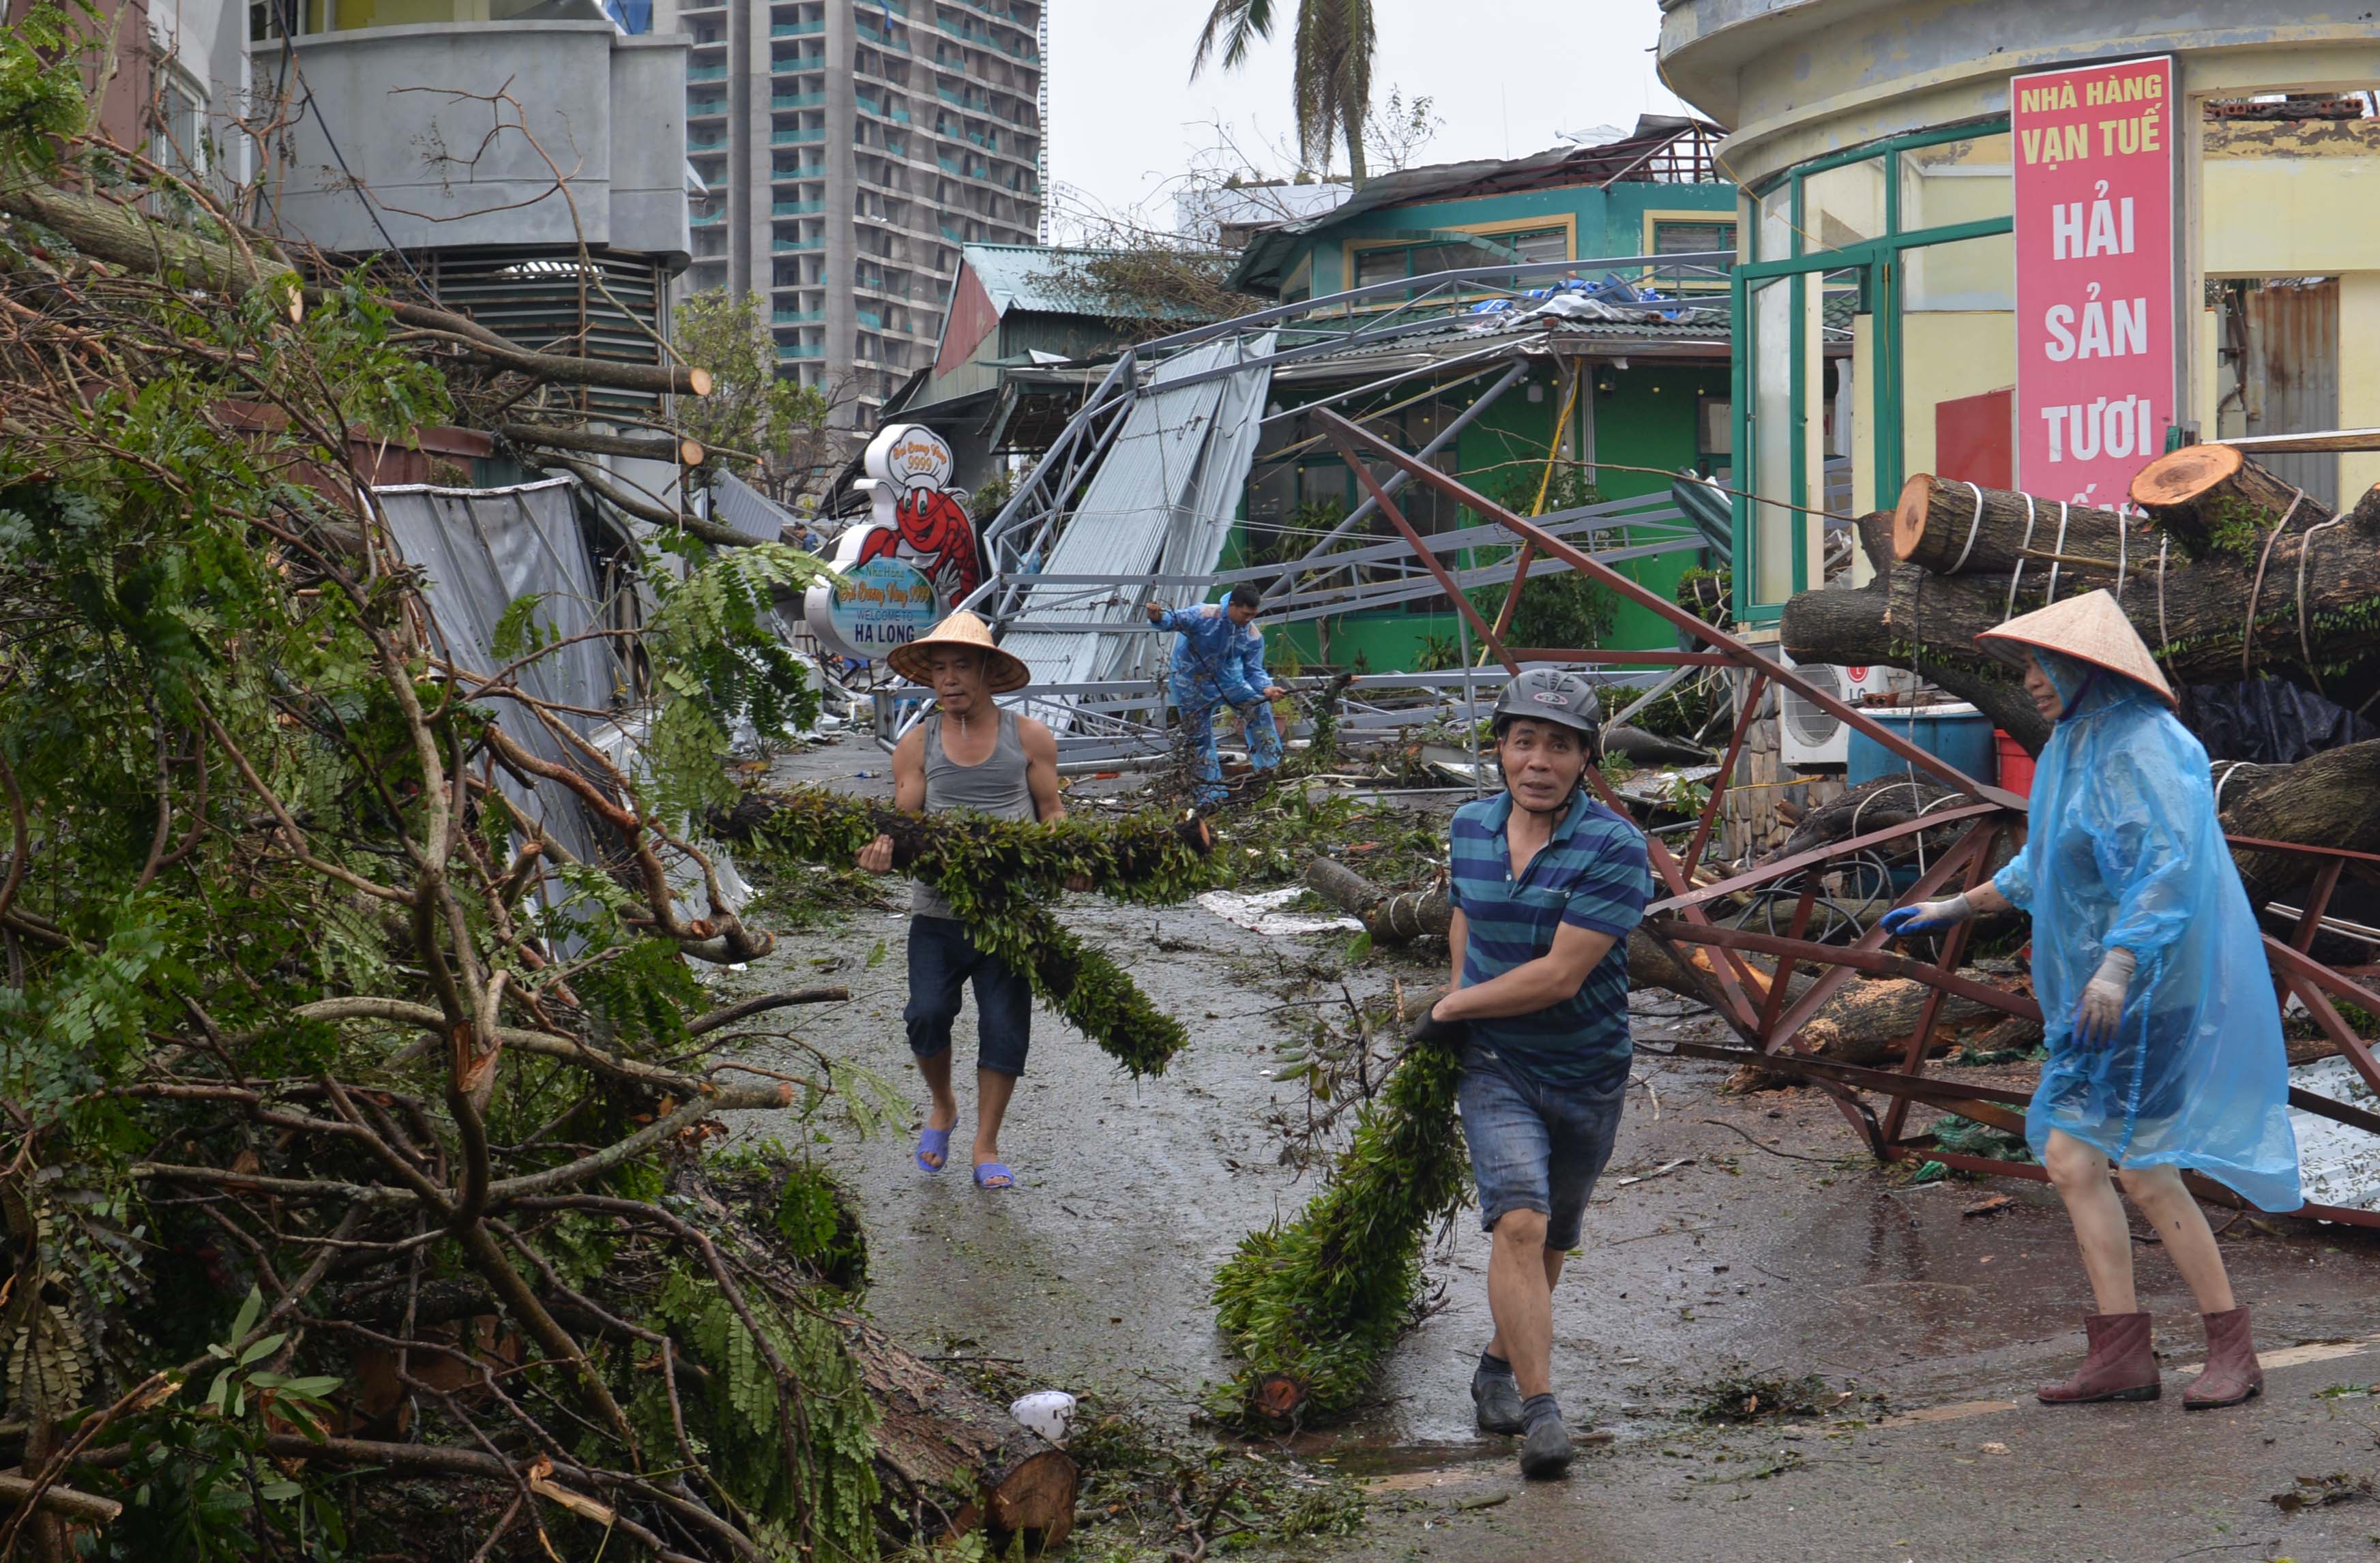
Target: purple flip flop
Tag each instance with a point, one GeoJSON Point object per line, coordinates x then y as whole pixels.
{"type": "Point", "coordinates": [934, 1141]}
{"type": "Point", "coordinates": [993, 1175]}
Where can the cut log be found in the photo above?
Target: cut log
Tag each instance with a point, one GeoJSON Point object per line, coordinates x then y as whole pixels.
{"type": "Point", "coordinates": [1875, 533]}
{"type": "Point", "coordinates": [1871, 806]}
{"type": "Point", "coordinates": [951, 1462]}
{"type": "Point", "coordinates": [2365, 514]}
{"type": "Point", "coordinates": [2211, 499]}
{"type": "Point", "coordinates": [1953, 528]}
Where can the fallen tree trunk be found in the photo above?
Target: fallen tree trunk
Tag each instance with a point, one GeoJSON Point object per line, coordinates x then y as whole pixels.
{"type": "Point", "coordinates": [2211, 499]}
{"type": "Point", "coordinates": [2216, 621]}
{"type": "Point", "coordinates": [1961, 528]}
{"type": "Point", "coordinates": [1874, 532]}
{"type": "Point", "coordinates": [683, 453]}
{"type": "Point", "coordinates": [2332, 799]}
{"type": "Point", "coordinates": [950, 1462]}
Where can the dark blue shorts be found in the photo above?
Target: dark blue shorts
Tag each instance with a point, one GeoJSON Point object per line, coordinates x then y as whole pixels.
{"type": "Point", "coordinates": [1535, 1147]}
{"type": "Point", "coordinates": [943, 960]}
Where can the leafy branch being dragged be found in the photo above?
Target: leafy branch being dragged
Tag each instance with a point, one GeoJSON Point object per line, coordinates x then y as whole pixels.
{"type": "Point", "coordinates": [1313, 1307]}
{"type": "Point", "coordinates": [1000, 876]}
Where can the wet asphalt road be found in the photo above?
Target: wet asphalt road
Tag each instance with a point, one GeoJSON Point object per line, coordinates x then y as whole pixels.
{"type": "Point", "coordinates": [1776, 1256]}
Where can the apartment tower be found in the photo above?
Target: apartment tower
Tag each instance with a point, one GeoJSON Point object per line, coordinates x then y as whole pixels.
{"type": "Point", "coordinates": [850, 147]}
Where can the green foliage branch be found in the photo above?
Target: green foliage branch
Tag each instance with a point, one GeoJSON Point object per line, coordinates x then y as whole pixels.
{"type": "Point", "coordinates": [1000, 876]}
{"type": "Point", "coordinates": [1313, 1307]}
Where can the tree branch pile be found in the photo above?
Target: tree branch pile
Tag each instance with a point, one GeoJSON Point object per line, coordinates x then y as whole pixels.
{"type": "Point", "coordinates": [350, 1166]}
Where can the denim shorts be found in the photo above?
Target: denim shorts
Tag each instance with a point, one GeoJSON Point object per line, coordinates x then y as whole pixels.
{"type": "Point", "coordinates": [942, 962]}
{"type": "Point", "coordinates": [1535, 1147]}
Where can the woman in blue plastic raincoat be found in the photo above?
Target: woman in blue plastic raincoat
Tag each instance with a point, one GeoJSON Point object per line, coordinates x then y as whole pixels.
{"type": "Point", "coordinates": [2163, 1034]}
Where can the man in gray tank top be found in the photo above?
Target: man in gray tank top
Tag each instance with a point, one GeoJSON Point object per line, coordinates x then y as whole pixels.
{"type": "Point", "coordinates": [968, 755]}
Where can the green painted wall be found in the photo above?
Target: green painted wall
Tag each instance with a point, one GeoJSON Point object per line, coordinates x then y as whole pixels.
{"type": "Point", "coordinates": [1606, 221]}
{"type": "Point", "coordinates": [1643, 416]}
{"type": "Point", "coordinates": [1647, 418]}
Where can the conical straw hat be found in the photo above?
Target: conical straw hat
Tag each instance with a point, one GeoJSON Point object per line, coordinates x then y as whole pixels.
{"type": "Point", "coordinates": [2091, 628]}
{"type": "Point", "coordinates": [1004, 671]}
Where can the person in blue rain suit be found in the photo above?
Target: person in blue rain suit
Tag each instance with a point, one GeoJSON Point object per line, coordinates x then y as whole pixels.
{"type": "Point", "coordinates": [1219, 661]}
{"type": "Point", "coordinates": [2163, 1034]}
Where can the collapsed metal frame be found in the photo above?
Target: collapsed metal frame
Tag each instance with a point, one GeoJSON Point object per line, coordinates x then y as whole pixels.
{"type": "Point", "coordinates": [1125, 714]}
{"type": "Point", "coordinates": [1759, 1007]}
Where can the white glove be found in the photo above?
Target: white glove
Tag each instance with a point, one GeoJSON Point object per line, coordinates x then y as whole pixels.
{"type": "Point", "coordinates": [1927, 915]}
{"type": "Point", "coordinates": [2102, 1010]}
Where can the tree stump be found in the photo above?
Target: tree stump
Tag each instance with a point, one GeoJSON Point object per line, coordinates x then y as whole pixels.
{"type": "Point", "coordinates": [951, 1462]}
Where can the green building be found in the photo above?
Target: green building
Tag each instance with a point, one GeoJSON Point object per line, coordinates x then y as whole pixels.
{"type": "Point", "coordinates": [1594, 390]}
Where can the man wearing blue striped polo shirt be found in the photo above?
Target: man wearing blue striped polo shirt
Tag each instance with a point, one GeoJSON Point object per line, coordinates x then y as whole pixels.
{"type": "Point", "coordinates": [1547, 884]}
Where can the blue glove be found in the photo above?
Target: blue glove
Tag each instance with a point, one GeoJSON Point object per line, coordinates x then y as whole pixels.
{"type": "Point", "coordinates": [1927, 916]}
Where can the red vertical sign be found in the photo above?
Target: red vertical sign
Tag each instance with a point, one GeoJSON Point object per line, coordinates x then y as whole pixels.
{"type": "Point", "coordinates": [2094, 278]}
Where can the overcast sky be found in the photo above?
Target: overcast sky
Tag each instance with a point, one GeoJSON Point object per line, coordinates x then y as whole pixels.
{"type": "Point", "coordinates": [1508, 75]}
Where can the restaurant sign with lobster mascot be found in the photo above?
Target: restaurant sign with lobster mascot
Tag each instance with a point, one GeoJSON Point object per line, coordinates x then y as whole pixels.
{"type": "Point", "coordinates": [911, 561]}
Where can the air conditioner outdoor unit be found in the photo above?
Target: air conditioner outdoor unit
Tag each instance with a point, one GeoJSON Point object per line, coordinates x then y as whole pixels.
{"type": "Point", "coordinates": [1810, 735]}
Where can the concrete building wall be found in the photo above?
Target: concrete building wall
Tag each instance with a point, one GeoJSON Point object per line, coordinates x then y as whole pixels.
{"type": "Point", "coordinates": [852, 146]}
{"type": "Point", "coordinates": [463, 135]}
{"type": "Point", "coordinates": [1800, 79]}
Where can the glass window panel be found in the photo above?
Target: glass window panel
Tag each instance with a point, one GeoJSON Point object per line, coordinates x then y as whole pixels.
{"type": "Point", "coordinates": [1772, 440]}
{"type": "Point", "coordinates": [1541, 244]}
{"type": "Point", "coordinates": [1428, 257]}
{"type": "Point", "coordinates": [1685, 238]}
{"type": "Point", "coordinates": [1843, 206]}
{"type": "Point", "coordinates": [1973, 274]}
{"type": "Point", "coordinates": [1958, 360]}
{"type": "Point", "coordinates": [1380, 265]}
{"type": "Point", "coordinates": [1956, 182]}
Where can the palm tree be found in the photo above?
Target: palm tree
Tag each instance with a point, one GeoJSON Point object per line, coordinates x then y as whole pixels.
{"type": "Point", "coordinates": [1332, 82]}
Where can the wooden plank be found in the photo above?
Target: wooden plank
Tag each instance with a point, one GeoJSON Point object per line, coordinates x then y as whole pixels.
{"type": "Point", "coordinates": [2326, 440]}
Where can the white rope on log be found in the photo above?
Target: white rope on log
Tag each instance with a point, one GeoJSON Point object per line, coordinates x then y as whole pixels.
{"type": "Point", "coordinates": [1974, 524]}
{"type": "Point", "coordinates": [2305, 550]}
{"type": "Point", "coordinates": [2016, 577]}
{"type": "Point", "coordinates": [2248, 630]}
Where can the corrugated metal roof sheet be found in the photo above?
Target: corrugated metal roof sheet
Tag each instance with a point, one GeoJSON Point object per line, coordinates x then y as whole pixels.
{"type": "Point", "coordinates": [1161, 502]}
{"type": "Point", "coordinates": [1028, 276]}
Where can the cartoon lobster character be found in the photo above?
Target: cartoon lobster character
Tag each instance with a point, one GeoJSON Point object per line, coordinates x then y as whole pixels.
{"type": "Point", "coordinates": [933, 530]}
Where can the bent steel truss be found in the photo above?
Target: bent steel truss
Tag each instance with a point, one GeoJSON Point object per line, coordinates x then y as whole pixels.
{"type": "Point", "coordinates": [1755, 1003]}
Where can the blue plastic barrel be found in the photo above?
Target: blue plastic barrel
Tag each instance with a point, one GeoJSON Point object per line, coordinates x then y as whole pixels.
{"type": "Point", "coordinates": [1959, 734]}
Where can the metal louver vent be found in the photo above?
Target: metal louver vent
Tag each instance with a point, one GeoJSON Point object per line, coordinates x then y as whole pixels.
{"type": "Point", "coordinates": [555, 300]}
{"type": "Point", "coordinates": [1807, 722]}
